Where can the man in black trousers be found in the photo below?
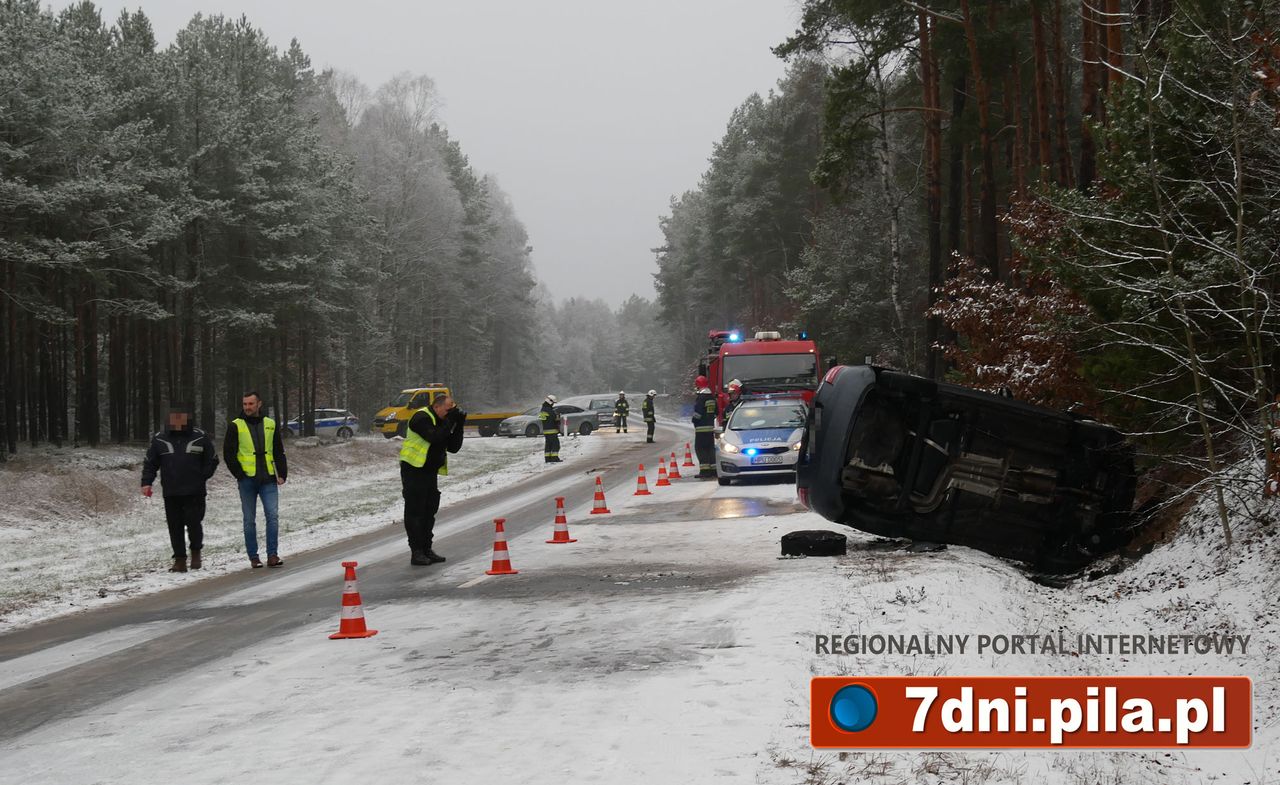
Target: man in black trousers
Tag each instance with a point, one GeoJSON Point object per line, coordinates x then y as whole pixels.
{"type": "Point", "coordinates": [184, 457]}
{"type": "Point", "coordinates": [433, 430]}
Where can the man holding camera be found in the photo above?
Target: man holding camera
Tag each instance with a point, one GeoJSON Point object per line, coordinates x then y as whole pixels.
{"type": "Point", "coordinates": [433, 430]}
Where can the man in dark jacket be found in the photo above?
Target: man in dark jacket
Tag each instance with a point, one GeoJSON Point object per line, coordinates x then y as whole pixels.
{"type": "Point", "coordinates": [704, 429]}
{"type": "Point", "coordinates": [185, 458]}
{"type": "Point", "coordinates": [646, 411]}
{"type": "Point", "coordinates": [254, 452]}
{"type": "Point", "coordinates": [620, 411]}
{"type": "Point", "coordinates": [432, 431]}
{"type": "Point", "coordinates": [550, 420]}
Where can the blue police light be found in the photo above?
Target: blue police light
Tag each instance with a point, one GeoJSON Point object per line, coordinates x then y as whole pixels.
{"type": "Point", "coordinates": [751, 451]}
{"type": "Point", "coordinates": [733, 336]}
{"type": "Point", "coordinates": [804, 335]}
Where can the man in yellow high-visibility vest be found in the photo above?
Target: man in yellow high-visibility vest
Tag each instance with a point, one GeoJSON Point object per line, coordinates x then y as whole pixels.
{"type": "Point", "coordinates": [433, 430]}
{"type": "Point", "coordinates": [254, 453]}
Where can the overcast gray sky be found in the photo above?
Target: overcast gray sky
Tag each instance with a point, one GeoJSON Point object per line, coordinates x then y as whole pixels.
{"type": "Point", "coordinates": [591, 113]}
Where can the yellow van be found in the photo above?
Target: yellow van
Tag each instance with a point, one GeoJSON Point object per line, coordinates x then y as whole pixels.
{"type": "Point", "coordinates": [393, 419]}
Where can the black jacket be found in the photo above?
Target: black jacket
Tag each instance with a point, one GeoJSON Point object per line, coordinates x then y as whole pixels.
{"type": "Point", "coordinates": [550, 419]}
{"type": "Point", "coordinates": [443, 435]}
{"type": "Point", "coordinates": [185, 460]}
{"type": "Point", "coordinates": [621, 407]}
{"type": "Point", "coordinates": [704, 411]}
{"type": "Point", "coordinates": [646, 409]}
{"type": "Point", "coordinates": [231, 446]}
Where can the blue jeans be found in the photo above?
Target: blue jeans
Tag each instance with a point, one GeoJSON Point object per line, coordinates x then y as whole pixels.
{"type": "Point", "coordinates": [250, 490]}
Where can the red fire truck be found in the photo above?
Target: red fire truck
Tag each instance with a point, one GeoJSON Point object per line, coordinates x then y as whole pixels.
{"type": "Point", "coordinates": [767, 364]}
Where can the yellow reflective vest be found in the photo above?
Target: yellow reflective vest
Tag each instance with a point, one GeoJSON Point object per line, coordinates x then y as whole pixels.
{"type": "Point", "coordinates": [414, 450]}
{"type": "Point", "coordinates": [245, 454]}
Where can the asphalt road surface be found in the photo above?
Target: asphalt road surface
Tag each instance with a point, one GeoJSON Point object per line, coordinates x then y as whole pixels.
{"type": "Point", "coordinates": [91, 658]}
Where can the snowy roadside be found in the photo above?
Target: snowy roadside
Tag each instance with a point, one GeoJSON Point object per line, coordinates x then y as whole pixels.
{"type": "Point", "coordinates": [77, 534]}
{"type": "Point", "coordinates": [1190, 585]}
{"type": "Point", "coordinates": [657, 649]}
{"type": "Point", "coordinates": [670, 646]}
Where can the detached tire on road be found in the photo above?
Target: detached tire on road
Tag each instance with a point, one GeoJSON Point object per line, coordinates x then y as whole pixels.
{"type": "Point", "coordinates": [813, 542]}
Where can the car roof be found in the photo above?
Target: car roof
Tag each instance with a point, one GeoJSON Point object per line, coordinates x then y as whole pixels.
{"type": "Point", "coordinates": [794, 400]}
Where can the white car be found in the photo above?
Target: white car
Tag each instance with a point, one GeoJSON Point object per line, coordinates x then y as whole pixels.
{"type": "Point", "coordinates": [762, 437]}
{"type": "Point", "coordinates": [330, 424]}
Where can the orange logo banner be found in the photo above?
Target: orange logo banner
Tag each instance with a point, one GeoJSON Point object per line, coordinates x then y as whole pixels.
{"type": "Point", "coordinates": [1067, 712]}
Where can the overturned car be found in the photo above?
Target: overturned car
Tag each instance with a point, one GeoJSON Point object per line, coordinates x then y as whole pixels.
{"type": "Point", "coordinates": [902, 456]}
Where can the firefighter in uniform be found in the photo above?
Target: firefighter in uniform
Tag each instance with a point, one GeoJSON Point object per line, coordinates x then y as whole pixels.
{"type": "Point", "coordinates": [620, 411]}
{"type": "Point", "coordinates": [646, 410]}
{"type": "Point", "coordinates": [432, 431]}
{"type": "Point", "coordinates": [704, 429]}
{"type": "Point", "coordinates": [550, 430]}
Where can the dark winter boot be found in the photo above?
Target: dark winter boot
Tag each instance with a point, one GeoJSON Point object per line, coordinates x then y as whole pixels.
{"type": "Point", "coordinates": [195, 560]}
{"type": "Point", "coordinates": [179, 564]}
{"type": "Point", "coordinates": [418, 559]}
{"type": "Point", "coordinates": [433, 557]}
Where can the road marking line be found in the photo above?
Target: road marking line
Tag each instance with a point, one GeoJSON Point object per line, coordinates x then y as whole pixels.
{"type": "Point", "coordinates": [473, 582]}
{"type": "Point", "coordinates": [87, 649]}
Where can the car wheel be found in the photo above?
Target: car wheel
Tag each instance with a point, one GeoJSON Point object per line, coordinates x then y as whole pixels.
{"type": "Point", "coordinates": [532, 431]}
{"type": "Point", "coordinates": [585, 429]}
{"type": "Point", "coordinates": [344, 432]}
{"type": "Point", "coordinates": [723, 480]}
{"type": "Point", "coordinates": [386, 435]}
{"type": "Point", "coordinates": [486, 430]}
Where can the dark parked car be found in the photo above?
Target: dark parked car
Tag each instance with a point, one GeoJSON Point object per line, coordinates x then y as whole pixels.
{"type": "Point", "coordinates": [902, 456]}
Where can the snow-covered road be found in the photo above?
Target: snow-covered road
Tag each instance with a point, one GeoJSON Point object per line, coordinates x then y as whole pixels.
{"type": "Point", "coordinates": [669, 644]}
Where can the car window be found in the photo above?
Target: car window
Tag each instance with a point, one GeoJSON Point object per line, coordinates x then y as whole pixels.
{"type": "Point", "coordinates": [565, 409]}
{"type": "Point", "coordinates": [402, 399]}
{"type": "Point", "coordinates": [746, 418]}
{"type": "Point", "coordinates": [533, 412]}
{"type": "Point", "coordinates": [602, 403]}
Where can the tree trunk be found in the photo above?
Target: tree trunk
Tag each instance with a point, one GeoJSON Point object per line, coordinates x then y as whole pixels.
{"type": "Point", "coordinates": [208, 384]}
{"type": "Point", "coordinates": [892, 202]}
{"type": "Point", "coordinates": [1088, 94]}
{"type": "Point", "coordinates": [958, 180]}
{"type": "Point", "coordinates": [1114, 26]}
{"type": "Point", "coordinates": [987, 251]}
{"type": "Point", "coordinates": [1043, 156]}
{"type": "Point", "coordinates": [1062, 150]}
{"type": "Point", "coordinates": [929, 78]}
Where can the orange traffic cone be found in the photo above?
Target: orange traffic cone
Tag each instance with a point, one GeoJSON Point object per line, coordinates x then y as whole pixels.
{"type": "Point", "coordinates": [642, 485]}
{"type": "Point", "coordinates": [352, 623]}
{"type": "Point", "coordinates": [562, 524]}
{"type": "Point", "coordinates": [674, 472]}
{"type": "Point", "coordinates": [501, 559]}
{"type": "Point", "coordinates": [688, 456]}
{"type": "Point", "coordinates": [598, 506]}
{"type": "Point", "coordinates": [662, 482]}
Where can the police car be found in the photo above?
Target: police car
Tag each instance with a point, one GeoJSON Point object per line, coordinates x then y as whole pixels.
{"type": "Point", "coordinates": [762, 437]}
{"type": "Point", "coordinates": [330, 424]}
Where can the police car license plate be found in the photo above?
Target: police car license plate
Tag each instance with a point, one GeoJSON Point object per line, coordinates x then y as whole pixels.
{"type": "Point", "coordinates": [766, 459]}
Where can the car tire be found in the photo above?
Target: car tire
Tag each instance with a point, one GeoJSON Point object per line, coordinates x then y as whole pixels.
{"type": "Point", "coordinates": [533, 431]}
{"type": "Point", "coordinates": [486, 430]}
{"type": "Point", "coordinates": [344, 433]}
{"type": "Point", "coordinates": [585, 429]}
{"type": "Point", "coordinates": [724, 480]}
{"type": "Point", "coordinates": [386, 435]}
